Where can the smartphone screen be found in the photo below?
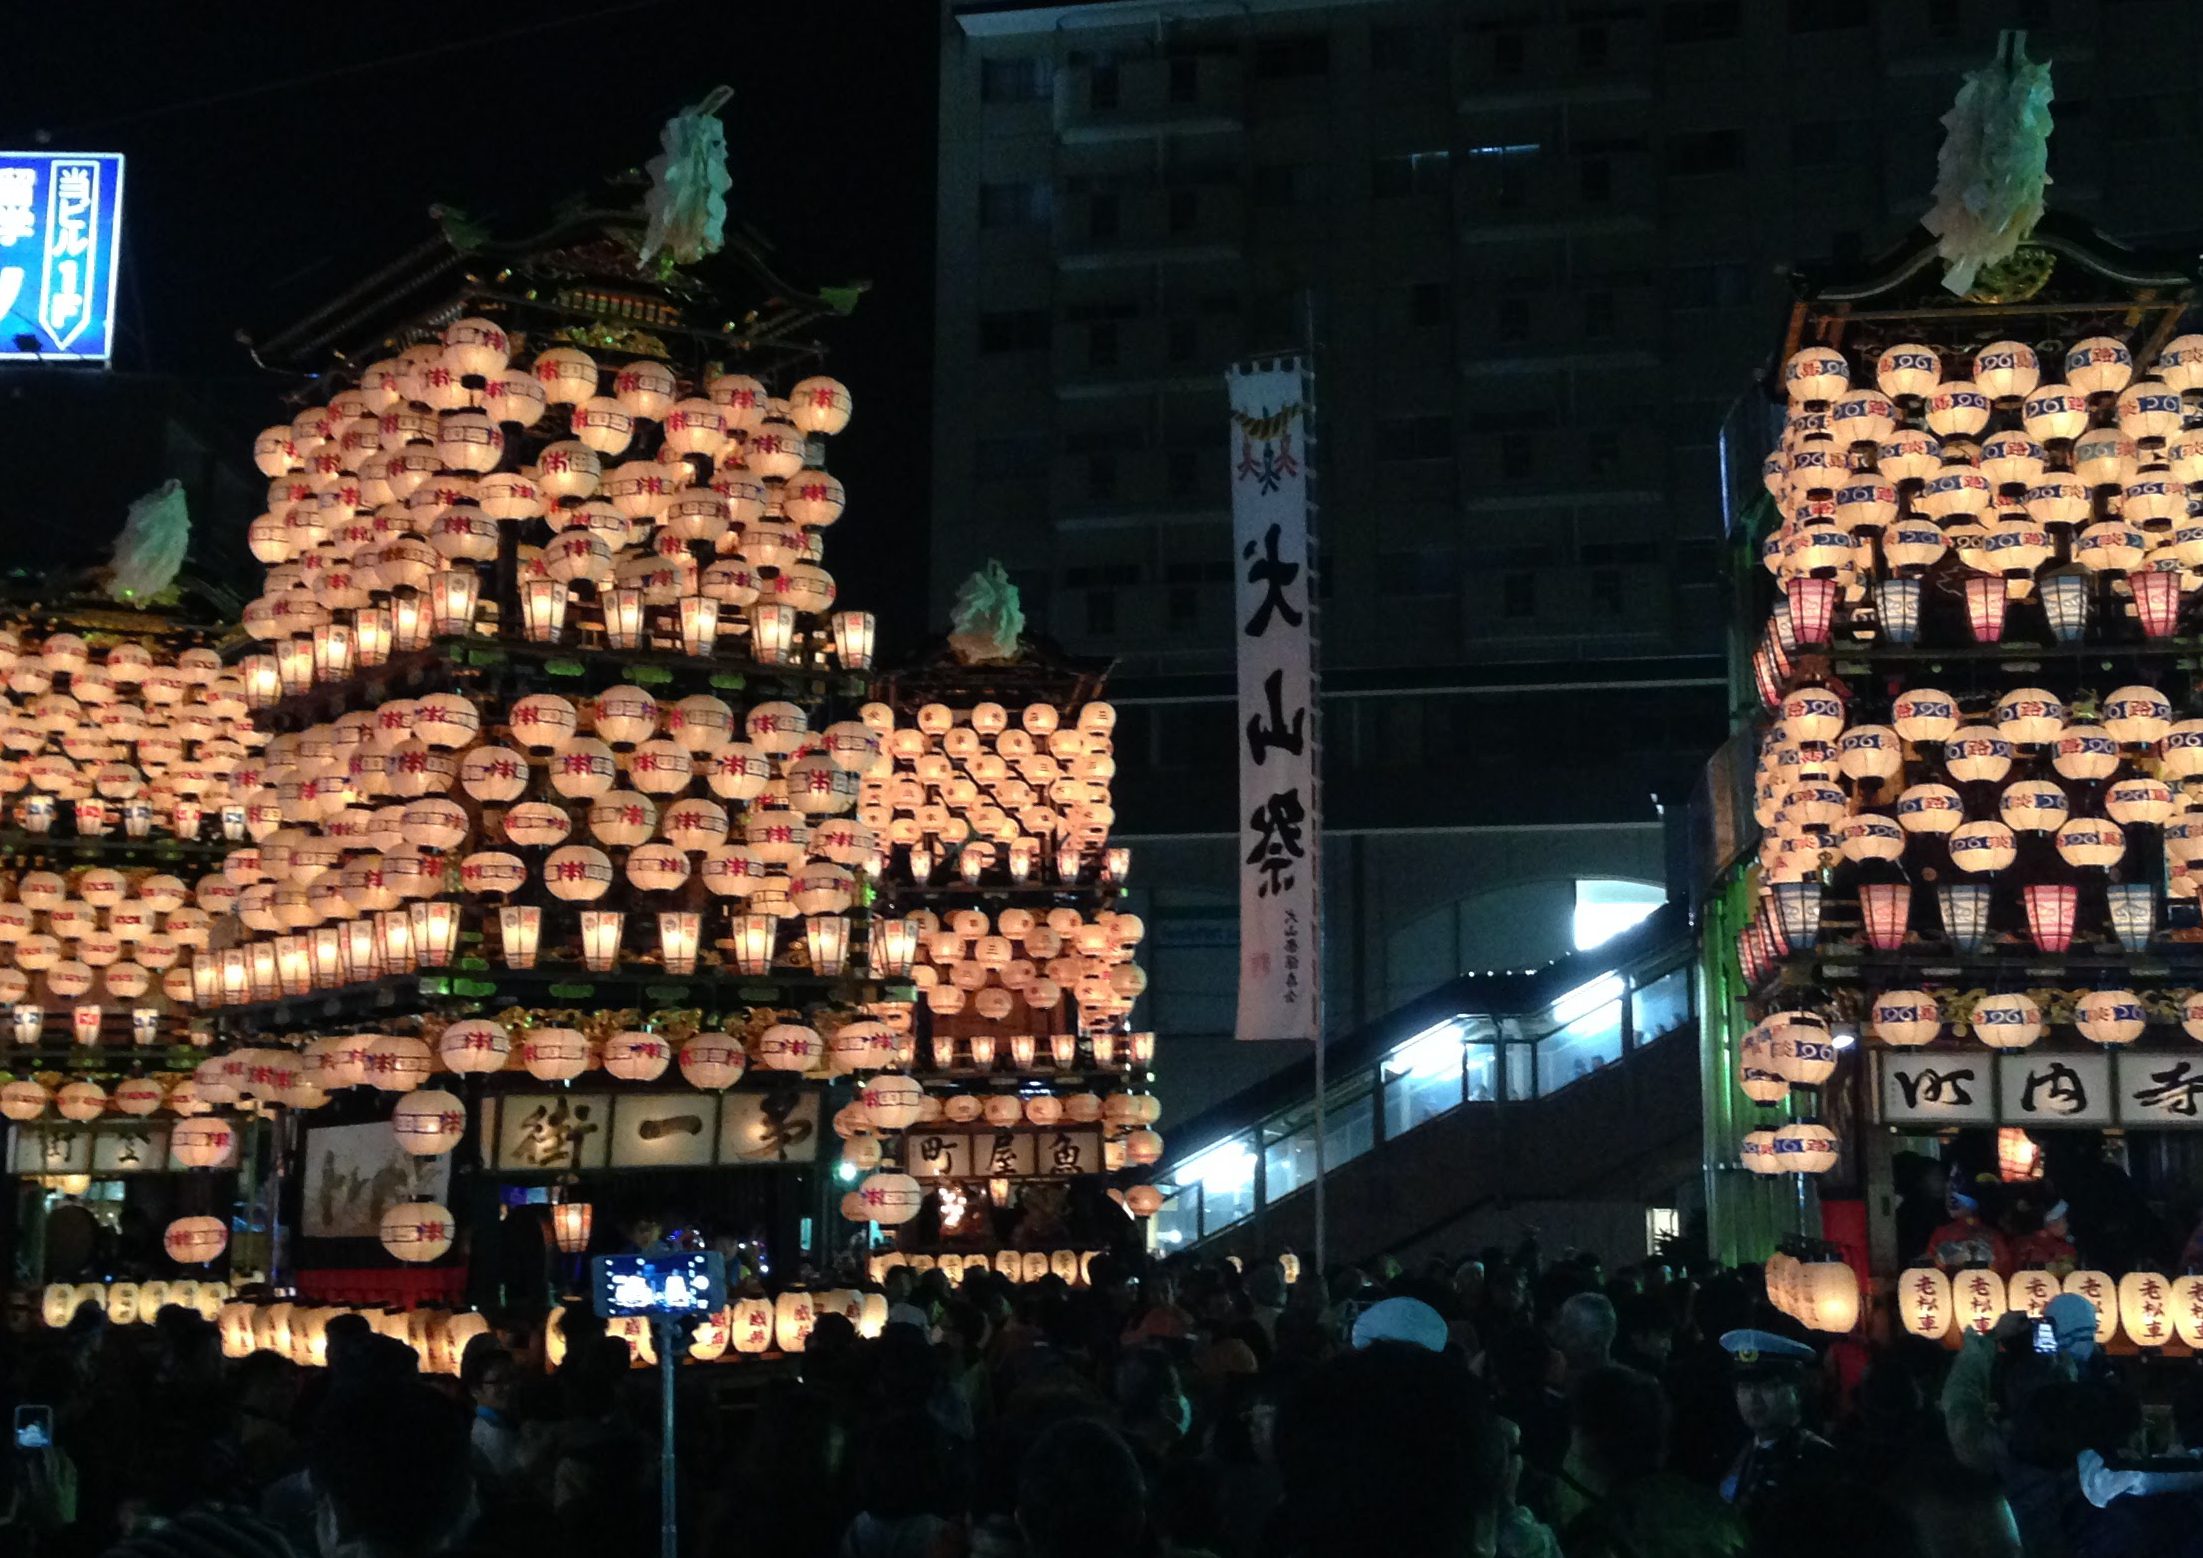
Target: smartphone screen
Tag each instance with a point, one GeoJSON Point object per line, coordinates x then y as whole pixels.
{"type": "Point", "coordinates": [2046, 1339]}
{"type": "Point", "coordinates": [34, 1428]}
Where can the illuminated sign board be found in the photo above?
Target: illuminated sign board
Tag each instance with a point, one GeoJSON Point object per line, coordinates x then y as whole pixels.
{"type": "Point", "coordinates": [60, 240]}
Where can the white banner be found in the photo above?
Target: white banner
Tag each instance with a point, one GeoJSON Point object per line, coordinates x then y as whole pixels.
{"type": "Point", "coordinates": [1280, 815]}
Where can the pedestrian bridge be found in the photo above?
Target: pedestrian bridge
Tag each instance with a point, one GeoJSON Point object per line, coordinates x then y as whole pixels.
{"type": "Point", "coordinates": [1564, 1099]}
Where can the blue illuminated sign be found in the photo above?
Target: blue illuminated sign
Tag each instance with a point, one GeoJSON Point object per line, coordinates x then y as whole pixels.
{"type": "Point", "coordinates": [60, 237]}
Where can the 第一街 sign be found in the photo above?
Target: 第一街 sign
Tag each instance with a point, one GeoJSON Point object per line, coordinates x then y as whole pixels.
{"type": "Point", "coordinates": [60, 246]}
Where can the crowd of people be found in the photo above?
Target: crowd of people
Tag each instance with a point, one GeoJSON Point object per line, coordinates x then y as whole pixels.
{"type": "Point", "coordinates": [1500, 1406]}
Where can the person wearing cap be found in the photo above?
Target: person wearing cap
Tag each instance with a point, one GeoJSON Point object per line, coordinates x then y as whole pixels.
{"type": "Point", "coordinates": [1768, 1372]}
{"type": "Point", "coordinates": [1968, 1241]}
{"type": "Point", "coordinates": [2050, 1247]}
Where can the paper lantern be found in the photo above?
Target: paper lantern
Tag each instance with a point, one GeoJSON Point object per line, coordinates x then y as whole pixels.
{"type": "Point", "coordinates": [23, 1100]}
{"type": "Point", "coordinates": [554, 1054]}
{"type": "Point", "coordinates": [1978, 1299]}
{"type": "Point", "coordinates": [892, 1102]}
{"type": "Point", "coordinates": [2050, 909]}
{"type": "Point", "coordinates": [397, 1063]}
{"type": "Point", "coordinates": [417, 1231]}
{"type": "Point", "coordinates": [1828, 1291]}
{"type": "Point", "coordinates": [2103, 1296]}
{"type": "Point", "coordinates": [202, 1143]}
{"type": "Point", "coordinates": [429, 1122]}
{"type": "Point", "coordinates": [2008, 1021]}
{"type": "Point", "coordinates": [1925, 715]}
{"type": "Point", "coordinates": [862, 1045]}
{"type": "Point", "coordinates": [890, 1198]}
{"type": "Point", "coordinates": [2110, 1016]}
{"type": "Point", "coordinates": [1805, 1147]}
{"type": "Point", "coordinates": [2187, 1309]}
{"type": "Point", "coordinates": [1757, 1152]}
{"type": "Point", "coordinates": [1906, 1018]}
{"type": "Point", "coordinates": [789, 1047]}
{"type": "Point", "coordinates": [637, 1056]}
{"type": "Point", "coordinates": [81, 1101]}
{"type": "Point", "coordinates": [712, 1061]}
{"type": "Point", "coordinates": [2145, 1308]}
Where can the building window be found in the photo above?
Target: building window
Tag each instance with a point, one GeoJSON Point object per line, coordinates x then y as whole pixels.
{"type": "Point", "coordinates": [1281, 59]}
{"type": "Point", "coordinates": [1591, 47]}
{"type": "Point", "coordinates": [1182, 341]}
{"type": "Point", "coordinates": [1185, 80]}
{"type": "Point", "coordinates": [1824, 143]}
{"type": "Point", "coordinates": [1709, 286]}
{"type": "Point", "coordinates": [1393, 48]}
{"type": "Point", "coordinates": [1101, 217]}
{"type": "Point", "coordinates": [1704, 151]}
{"type": "Point", "coordinates": [1015, 330]}
{"type": "Point", "coordinates": [1826, 15]}
{"type": "Point", "coordinates": [1276, 183]}
{"type": "Point", "coordinates": [1014, 80]}
{"type": "Point", "coordinates": [1415, 438]}
{"type": "Point", "coordinates": [1185, 210]}
{"type": "Point", "coordinates": [1606, 591]}
{"type": "Point", "coordinates": [1184, 605]}
{"type": "Point", "coordinates": [1507, 54]}
{"type": "Point", "coordinates": [1022, 204]}
{"type": "Point", "coordinates": [1598, 315]}
{"type": "Point", "coordinates": [1518, 595]}
{"type": "Point", "coordinates": [1410, 173]}
{"type": "Point", "coordinates": [1101, 84]}
{"type": "Point", "coordinates": [1006, 456]}
{"type": "Point", "coordinates": [1595, 179]}
{"type": "Point", "coordinates": [1429, 303]}
{"type": "Point", "coordinates": [1701, 21]}
{"type": "Point", "coordinates": [1517, 456]}
{"type": "Point", "coordinates": [1101, 345]}
{"type": "Point", "coordinates": [1512, 323]}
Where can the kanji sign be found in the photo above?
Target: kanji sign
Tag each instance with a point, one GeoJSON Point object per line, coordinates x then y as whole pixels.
{"type": "Point", "coordinates": [60, 230]}
{"type": "Point", "coordinates": [2160, 1089]}
{"type": "Point", "coordinates": [2047, 1088]}
{"type": "Point", "coordinates": [1050, 1152]}
{"type": "Point", "coordinates": [1280, 872]}
{"type": "Point", "coordinates": [1932, 1087]}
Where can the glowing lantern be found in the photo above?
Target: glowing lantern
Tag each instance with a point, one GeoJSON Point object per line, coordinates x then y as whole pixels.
{"type": "Point", "coordinates": [1906, 1019]}
{"type": "Point", "coordinates": [2110, 1016]}
{"type": "Point", "coordinates": [202, 1143]}
{"type": "Point", "coordinates": [2145, 1308]}
{"type": "Point", "coordinates": [712, 1061]}
{"type": "Point", "coordinates": [554, 1054]}
{"type": "Point", "coordinates": [1979, 1299]}
{"type": "Point", "coordinates": [2103, 1296]}
{"type": "Point", "coordinates": [637, 1056]}
{"type": "Point", "coordinates": [417, 1231]}
{"type": "Point", "coordinates": [429, 1122]}
{"type": "Point", "coordinates": [2008, 1021]}
{"type": "Point", "coordinates": [890, 1198]}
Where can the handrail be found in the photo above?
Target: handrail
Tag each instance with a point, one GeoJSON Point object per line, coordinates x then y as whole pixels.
{"type": "Point", "coordinates": [1494, 1011]}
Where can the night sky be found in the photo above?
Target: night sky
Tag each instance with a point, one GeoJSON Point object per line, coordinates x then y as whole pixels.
{"type": "Point", "coordinates": [280, 153]}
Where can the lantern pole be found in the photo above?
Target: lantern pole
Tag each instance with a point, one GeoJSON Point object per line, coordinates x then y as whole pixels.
{"type": "Point", "coordinates": [669, 1334]}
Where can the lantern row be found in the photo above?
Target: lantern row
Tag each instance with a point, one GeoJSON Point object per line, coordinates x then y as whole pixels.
{"type": "Point", "coordinates": [2150, 1308]}
{"type": "Point", "coordinates": [338, 891]}
{"type": "Point", "coordinates": [1820, 1291]}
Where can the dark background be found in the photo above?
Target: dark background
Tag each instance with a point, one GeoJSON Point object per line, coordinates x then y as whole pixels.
{"type": "Point", "coordinates": [278, 154]}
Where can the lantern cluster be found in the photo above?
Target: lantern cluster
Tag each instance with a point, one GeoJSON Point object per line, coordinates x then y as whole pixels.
{"type": "Point", "coordinates": [82, 943]}
{"type": "Point", "coordinates": [2069, 495]}
{"type": "Point", "coordinates": [1001, 982]}
{"type": "Point", "coordinates": [979, 796]}
{"type": "Point", "coordinates": [135, 741]}
{"type": "Point", "coordinates": [1818, 1290]}
{"type": "Point", "coordinates": [668, 515]}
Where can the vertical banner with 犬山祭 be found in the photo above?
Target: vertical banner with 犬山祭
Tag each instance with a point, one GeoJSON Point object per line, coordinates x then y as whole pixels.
{"type": "Point", "coordinates": [1280, 875]}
